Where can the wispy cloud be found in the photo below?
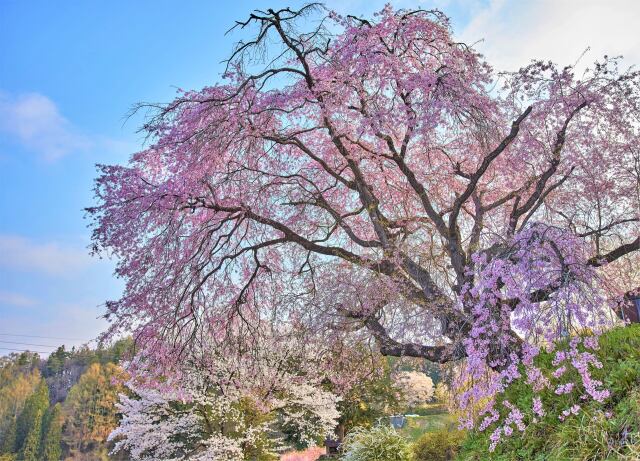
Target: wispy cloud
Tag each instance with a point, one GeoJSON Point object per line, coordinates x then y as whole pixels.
{"type": "Point", "coordinates": [16, 299]}
{"type": "Point", "coordinates": [35, 121]}
{"type": "Point", "coordinates": [51, 258]}
{"type": "Point", "coordinates": [515, 32]}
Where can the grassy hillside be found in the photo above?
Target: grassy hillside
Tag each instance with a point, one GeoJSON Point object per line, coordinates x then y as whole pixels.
{"type": "Point", "coordinates": [600, 431]}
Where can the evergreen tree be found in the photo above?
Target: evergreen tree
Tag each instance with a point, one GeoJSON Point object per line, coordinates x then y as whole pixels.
{"type": "Point", "coordinates": [31, 448]}
{"type": "Point", "coordinates": [9, 439]}
{"type": "Point", "coordinates": [120, 349]}
{"type": "Point", "coordinates": [28, 359]}
{"type": "Point", "coordinates": [52, 435]}
{"type": "Point", "coordinates": [32, 413]}
{"type": "Point", "coordinates": [15, 388]}
{"type": "Point", "coordinates": [55, 362]}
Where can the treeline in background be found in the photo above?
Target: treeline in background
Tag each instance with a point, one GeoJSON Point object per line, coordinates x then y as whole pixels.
{"type": "Point", "coordinates": [62, 407]}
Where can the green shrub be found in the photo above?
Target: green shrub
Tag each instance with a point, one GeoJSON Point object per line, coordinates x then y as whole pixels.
{"type": "Point", "coordinates": [380, 443]}
{"type": "Point", "coordinates": [601, 431]}
{"type": "Point", "coordinates": [440, 445]}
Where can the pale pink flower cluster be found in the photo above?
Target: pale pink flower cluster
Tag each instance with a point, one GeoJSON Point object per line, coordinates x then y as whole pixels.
{"type": "Point", "coordinates": [416, 387]}
{"type": "Point", "coordinates": [525, 267]}
{"type": "Point", "coordinates": [574, 410]}
{"type": "Point", "coordinates": [538, 408]}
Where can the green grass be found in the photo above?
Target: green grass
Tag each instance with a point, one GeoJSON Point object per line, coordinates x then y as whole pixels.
{"type": "Point", "coordinates": [601, 431]}
{"type": "Point", "coordinates": [418, 425]}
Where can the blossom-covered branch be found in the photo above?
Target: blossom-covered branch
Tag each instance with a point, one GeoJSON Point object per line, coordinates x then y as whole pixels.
{"type": "Point", "coordinates": [376, 182]}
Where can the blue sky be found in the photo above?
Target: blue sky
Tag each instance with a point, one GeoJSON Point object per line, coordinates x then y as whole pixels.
{"type": "Point", "coordinates": [70, 71]}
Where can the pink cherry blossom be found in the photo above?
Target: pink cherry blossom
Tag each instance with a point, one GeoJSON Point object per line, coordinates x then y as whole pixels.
{"type": "Point", "coordinates": [375, 182]}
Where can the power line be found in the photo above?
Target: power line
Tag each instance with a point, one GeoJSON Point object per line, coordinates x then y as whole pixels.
{"type": "Point", "coordinates": [45, 337]}
{"type": "Point", "coordinates": [28, 344]}
{"type": "Point", "coordinates": [24, 350]}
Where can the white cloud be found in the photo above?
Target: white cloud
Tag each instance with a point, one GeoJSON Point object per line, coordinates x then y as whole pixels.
{"type": "Point", "coordinates": [35, 121]}
{"type": "Point", "coordinates": [19, 253]}
{"type": "Point", "coordinates": [16, 299]}
{"type": "Point", "coordinates": [515, 32]}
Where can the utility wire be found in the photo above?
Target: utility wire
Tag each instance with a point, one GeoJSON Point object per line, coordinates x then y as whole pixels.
{"type": "Point", "coordinates": [28, 344]}
{"type": "Point", "coordinates": [45, 337]}
{"type": "Point", "coordinates": [24, 350]}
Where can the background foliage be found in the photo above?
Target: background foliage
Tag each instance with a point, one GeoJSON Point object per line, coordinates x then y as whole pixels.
{"type": "Point", "coordinates": [62, 407]}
